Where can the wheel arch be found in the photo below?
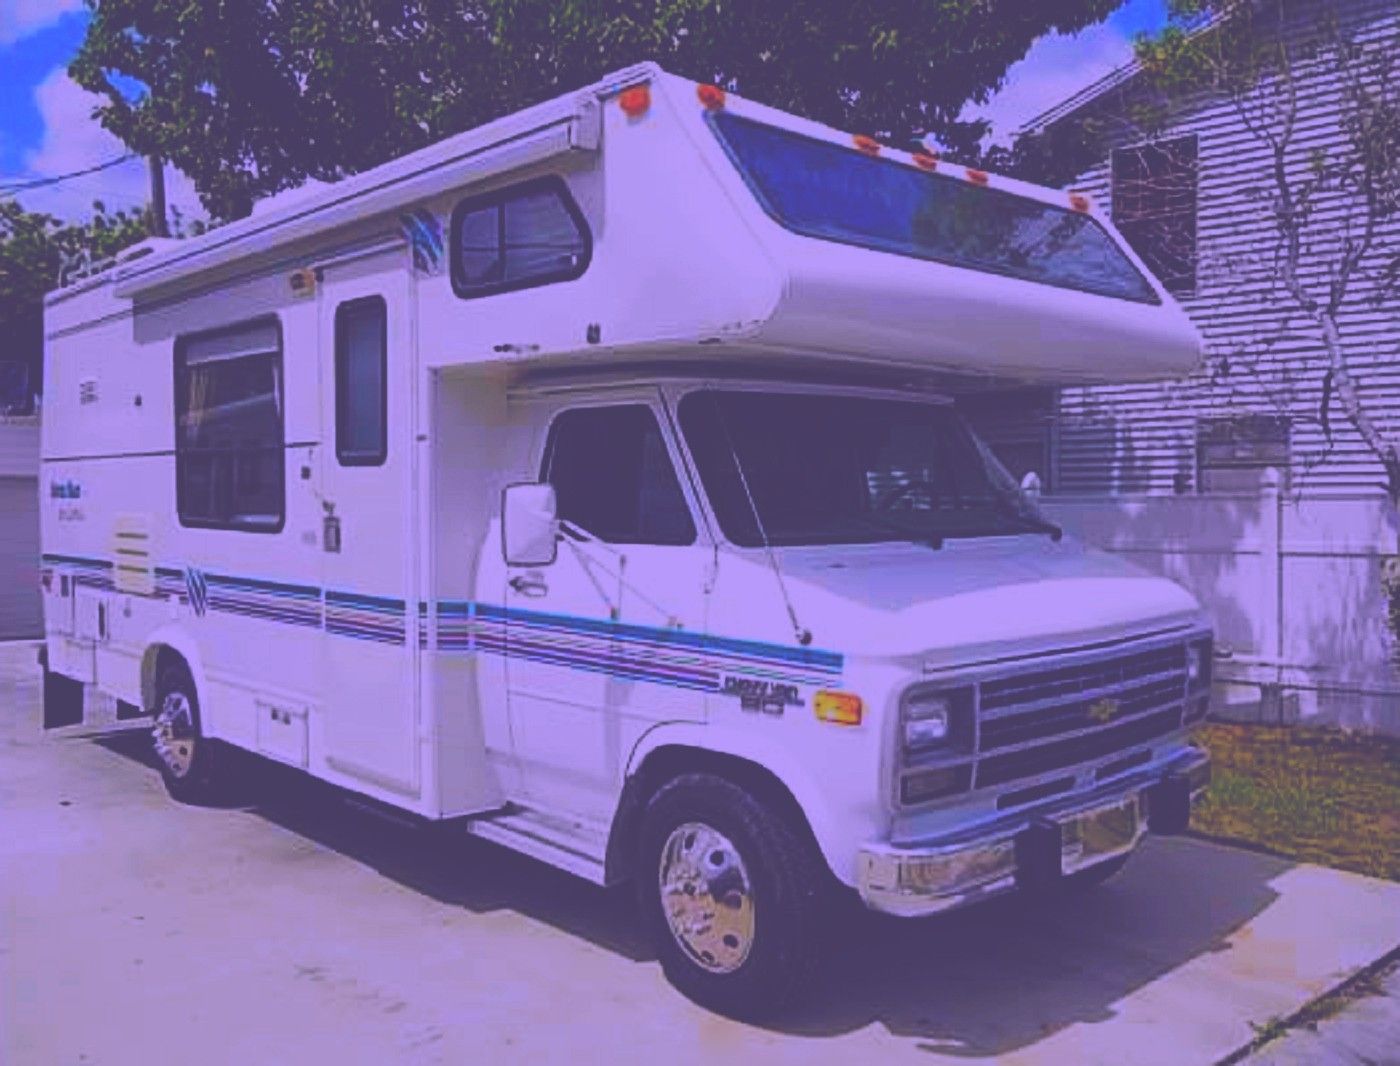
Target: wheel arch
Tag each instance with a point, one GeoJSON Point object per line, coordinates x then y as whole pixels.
{"type": "Point", "coordinates": [170, 643]}
{"type": "Point", "coordinates": [671, 751]}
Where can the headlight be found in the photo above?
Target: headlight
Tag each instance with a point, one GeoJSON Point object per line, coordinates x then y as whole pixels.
{"type": "Point", "coordinates": [938, 720]}
{"type": "Point", "coordinates": [928, 721]}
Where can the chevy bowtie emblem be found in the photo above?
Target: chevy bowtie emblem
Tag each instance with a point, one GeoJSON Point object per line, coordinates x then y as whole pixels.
{"type": "Point", "coordinates": [1104, 710]}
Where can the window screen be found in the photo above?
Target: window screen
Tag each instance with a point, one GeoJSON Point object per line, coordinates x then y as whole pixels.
{"type": "Point", "coordinates": [835, 193]}
{"type": "Point", "coordinates": [527, 235]}
{"type": "Point", "coordinates": [1154, 205]}
{"type": "Point", "coordinates": [361, 368]}
{"type": "Point", "coordinates": [229, 464]}
{"type": "Point", "coordinates": [614, 478]}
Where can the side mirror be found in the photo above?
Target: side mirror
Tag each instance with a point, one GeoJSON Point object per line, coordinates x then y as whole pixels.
{"type": "Point", "coordinates": [529, 524]}
{"type": "Point", "coordinates": [1030, 485]}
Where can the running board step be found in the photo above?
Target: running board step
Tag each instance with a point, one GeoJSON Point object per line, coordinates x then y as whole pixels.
{"type": "Point", "coordinates": [577, 848]}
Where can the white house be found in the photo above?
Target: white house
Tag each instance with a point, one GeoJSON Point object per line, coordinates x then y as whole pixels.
{"type": "Point", "coordinates": [1175, 474]}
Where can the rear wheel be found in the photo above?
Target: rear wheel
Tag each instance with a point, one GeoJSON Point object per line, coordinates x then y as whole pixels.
{"type": "Point", "coordinates": [731, 892]}
{"type": "Point", "coordinates": [192, 766]}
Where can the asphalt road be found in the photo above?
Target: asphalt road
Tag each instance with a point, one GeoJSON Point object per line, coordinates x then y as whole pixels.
{"type": "Point", "coordinates": [304, 927]}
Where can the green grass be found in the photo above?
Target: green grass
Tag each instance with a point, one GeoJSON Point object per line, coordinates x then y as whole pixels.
{"type": "Point", "coordinates": [1310, 794]}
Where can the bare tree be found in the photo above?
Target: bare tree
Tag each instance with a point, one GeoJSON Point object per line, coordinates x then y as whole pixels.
{"type": "Point", "coordinates": [1333, 213]}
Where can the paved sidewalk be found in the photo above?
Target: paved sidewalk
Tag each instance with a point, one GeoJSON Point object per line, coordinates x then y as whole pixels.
{"type": "Point", "coordinates": [1366, 1032]}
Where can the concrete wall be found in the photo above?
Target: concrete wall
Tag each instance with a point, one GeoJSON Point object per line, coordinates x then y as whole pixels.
{"type": "Point", "coordinates": [1294, 585]}
{"type": "Point", "coordinates": [20, 613]}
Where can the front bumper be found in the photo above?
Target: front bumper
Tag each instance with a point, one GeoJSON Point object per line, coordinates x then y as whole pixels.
{"type": "Point", "coordinates": [1037, 847]}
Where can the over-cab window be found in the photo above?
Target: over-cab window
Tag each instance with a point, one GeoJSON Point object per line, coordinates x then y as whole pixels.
{"type": "Point", "coordinates": [834, 193]}
{"type": "Point", "coordinates": [614, 478]}
{"type": "Point", "coordinates": [361, 369]}
{"type": "Point", "coordinates": [229, 463]}
{"type": "Point", "coordinates": [529, 234]}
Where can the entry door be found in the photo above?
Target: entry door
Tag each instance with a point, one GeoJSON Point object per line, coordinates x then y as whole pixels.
{"type": "Point", "coordinates": [367, 545]}
{"type": "Point", "coordinates": [603, 643]}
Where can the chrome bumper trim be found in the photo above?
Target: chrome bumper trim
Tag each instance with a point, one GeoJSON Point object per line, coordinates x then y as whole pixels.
{"type": "Point", "coordinates": [1049, 842]}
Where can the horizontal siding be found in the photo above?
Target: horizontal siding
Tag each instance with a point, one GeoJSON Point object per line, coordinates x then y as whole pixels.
{"type": "Point", "coordinates": [1141, 438]}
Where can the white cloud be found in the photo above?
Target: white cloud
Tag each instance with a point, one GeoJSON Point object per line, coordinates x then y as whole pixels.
{"type": "Point", "coordinates": [20, 18]}
{"type": "Point", "coordinates": [1056, 67]}
{"type": "Point", "coordinates": [74, 140]}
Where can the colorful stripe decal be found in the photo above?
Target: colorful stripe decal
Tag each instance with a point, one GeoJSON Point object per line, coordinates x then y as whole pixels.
{"type": "Point", "coordinates": [673, 657]}
{"type": "Point", "coordinates": [365, 617]}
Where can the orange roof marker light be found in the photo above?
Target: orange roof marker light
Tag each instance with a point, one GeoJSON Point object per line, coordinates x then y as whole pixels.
{"type": "Point", "coordinates": [711, 96]}
{"type": "Point", "coordinates": [925, 160]}
{"type": "Point", "coordinates": [977, 177]}
{"type": "Point", "coordinates": [838, 708]}
{"type": "Point", "coordinates": [1079, 201]}
{"type": "Point", "coordinates": [868, 145]}
{"type": "Point", "coordinates": [635, 101]}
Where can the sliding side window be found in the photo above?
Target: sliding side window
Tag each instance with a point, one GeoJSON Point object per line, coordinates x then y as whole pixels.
{"type": "Point", "coordinates": [527, 235]}
{"type": "Point", "coordinates": [229, 462]}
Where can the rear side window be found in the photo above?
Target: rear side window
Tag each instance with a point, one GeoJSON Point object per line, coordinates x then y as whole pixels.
{"type": "Point", "coordinates": [834, 193]}
{"type": "Point", "coordinates": [361, 369]}
{"type": "Point", "coordinates": [529, 234]}
{"type": "Point", "coordinates": [229, 463]}
{"type": "Point", "coordinates": [614, 478]}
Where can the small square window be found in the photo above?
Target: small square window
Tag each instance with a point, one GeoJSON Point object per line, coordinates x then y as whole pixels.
{"type": "Point", "coordinates": [527, 235]}
{"type": "Point", "coordinates": [1232, 453]}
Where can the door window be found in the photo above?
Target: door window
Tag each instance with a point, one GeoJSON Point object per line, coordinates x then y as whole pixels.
{"type": "Point", "coordinates": [614, 477]}
{"type": "Point", "coordinates": [361, 365]}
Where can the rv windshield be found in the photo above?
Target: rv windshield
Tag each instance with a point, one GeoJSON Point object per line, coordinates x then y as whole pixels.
{"type": "Point", "coordinates": [834, 193]}
{"type": "Point", "coordinates": [833, 469]}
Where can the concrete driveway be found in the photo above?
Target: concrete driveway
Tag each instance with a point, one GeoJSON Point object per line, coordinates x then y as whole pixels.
{"type": "Point", "coordinates": [306, 927]}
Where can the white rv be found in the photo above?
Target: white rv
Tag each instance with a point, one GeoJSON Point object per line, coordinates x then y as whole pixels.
{"type": "Point", "coordinates": [592, 477]}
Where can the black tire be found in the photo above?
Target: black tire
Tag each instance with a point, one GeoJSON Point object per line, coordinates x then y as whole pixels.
{"type": "Point", "coordinates": [63, 700]}
{"type": "Point", "coordinates": [193, 767]}
{"type": "Point", "coordinates": [785, 876]}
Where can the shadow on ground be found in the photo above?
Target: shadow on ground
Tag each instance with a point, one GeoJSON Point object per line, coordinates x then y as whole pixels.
{"type": "Point", "coordinates": [976, 984]}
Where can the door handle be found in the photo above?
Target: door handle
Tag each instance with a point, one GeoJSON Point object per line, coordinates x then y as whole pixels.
{"type": "Point", "coordinates": [528, 584]}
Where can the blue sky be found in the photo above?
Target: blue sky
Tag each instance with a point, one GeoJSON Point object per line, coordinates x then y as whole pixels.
{"type": "Point", "coordinates": [46, 126]}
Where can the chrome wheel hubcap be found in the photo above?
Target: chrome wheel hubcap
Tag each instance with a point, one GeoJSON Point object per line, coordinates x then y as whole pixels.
{"type": "Point", "coordinates": [174, 733]}
{"type": "Point", "coordinates": [707, 897]}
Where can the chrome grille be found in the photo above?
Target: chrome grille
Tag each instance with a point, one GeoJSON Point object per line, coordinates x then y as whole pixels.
{"type": "Point", "coordinates": [1046, 719]}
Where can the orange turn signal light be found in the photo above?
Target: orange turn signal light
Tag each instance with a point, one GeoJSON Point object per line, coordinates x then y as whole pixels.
{"type": "Point", "coordinates": [636, 101]}
{"type": "Point", "coordinates": [711, 96]}
{"type": "Point", "coordinates": [977, 177]}
{"type": "Point", "coordinates": [1078, 201]}
{"type": "Point", "coordinates": [926, 160]}
{"type": "Point", "coordinates": [868, 145]}
{"type": "Point", "coordinates": [838, 708]}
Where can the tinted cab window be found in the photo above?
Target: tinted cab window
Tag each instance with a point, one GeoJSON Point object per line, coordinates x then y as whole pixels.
{"type": "Point", "coordinates": [614, 477]}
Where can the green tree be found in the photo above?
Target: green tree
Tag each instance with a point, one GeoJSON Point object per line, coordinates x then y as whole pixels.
{"type": "Point", "coordinates": [255, 96]}
{"type": "Point", "coordinates": [35, 249]}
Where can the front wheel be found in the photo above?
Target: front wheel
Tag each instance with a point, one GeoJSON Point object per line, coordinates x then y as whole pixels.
{"type": "Point", "coordinates": [730, 890]}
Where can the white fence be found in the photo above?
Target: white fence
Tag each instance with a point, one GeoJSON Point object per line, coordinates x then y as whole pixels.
{"type": "Point", "coordinates": [1294, 585]}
